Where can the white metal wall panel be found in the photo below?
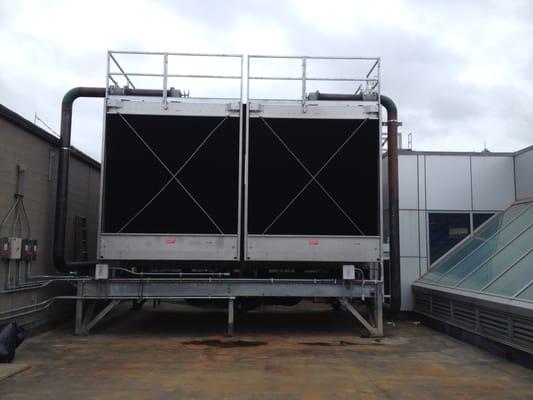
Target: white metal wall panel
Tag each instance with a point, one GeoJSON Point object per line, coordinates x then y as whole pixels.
{"type": "Point", "coordinates": [492, 182]}
{"type": "Point", "coordinates": [448, 184]}
{"type": "Point", "coordinates": [422, 225]}
{"type": "Point", "coordinates": [410, 272]}
{"type": "Point", "coordinates": [421, 182]}
{"type": "Point", "coordinates": [408, 186]}
{"type": "Point", "coordinates": [409, 241]}
{"type": "Point", "coordinates": [524, 175]}
{"type": "Point", "coordinates": [385, 182]}
{"type": "Point", "coordinates": [423, 265]}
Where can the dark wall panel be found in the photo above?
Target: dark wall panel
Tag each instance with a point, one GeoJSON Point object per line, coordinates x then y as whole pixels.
{"type": "Point", "coordinates": [133, 175]}
{"type": "Point", "coordinates": [351, 178]}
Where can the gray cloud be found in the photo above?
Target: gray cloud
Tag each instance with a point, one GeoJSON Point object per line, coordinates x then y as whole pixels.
{"type": "Point", "coordinates": [461, 72]}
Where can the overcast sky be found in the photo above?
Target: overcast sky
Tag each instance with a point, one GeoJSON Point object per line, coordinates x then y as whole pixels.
{"type": "Point", "coordinates": [461, 72]}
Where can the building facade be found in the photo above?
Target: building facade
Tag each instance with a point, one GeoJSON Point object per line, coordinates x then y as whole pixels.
{"type": "Point", "coordinates": [25, 147]}
{"type": "Point", "coordinates": [444, 196]}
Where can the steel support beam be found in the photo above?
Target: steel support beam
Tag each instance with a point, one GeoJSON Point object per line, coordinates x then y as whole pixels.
{"type": "Point", "coordinates": [231, 309]}
{"type": "Point", "coordinates": [225, 288]}
{"type": "Point", "coordinates": [375, 331]}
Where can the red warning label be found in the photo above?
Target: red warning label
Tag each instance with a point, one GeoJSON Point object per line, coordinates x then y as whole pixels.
{"type": "Point", "coordinates": [313, 242]}
{"type": "Point", "coordinates": [170, 240]}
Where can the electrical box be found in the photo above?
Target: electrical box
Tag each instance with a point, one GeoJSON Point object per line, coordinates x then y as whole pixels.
{"type": "Point", "coordinates": [29, 249]}
{"type": "Point", "coordinates": [4, 248]}
{"type": "Point", "coordinates": [101, 271]}
{"type": "Point", "coordinates": [348, 272]}
{"type": "Point", "coordinates": [35, 249]}
{"type": "Point", "coordinates": [11, 248]}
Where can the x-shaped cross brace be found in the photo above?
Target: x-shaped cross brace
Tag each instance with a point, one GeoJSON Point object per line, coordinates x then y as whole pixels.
{"type": "Point", "coordinates": [313, 177]}
{"type": "Point", "coordinates": [173, 175]}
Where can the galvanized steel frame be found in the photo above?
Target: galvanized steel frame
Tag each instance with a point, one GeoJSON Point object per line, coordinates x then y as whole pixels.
{"type": "Point", "coordinates": [116, 290]}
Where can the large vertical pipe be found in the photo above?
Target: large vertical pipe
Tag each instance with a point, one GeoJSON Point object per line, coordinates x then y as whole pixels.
{"type": "Point", "coordinates": [64, 163]}
{"type": "Point", "coordinates": [394, 217]}
{"type": "Point", "coordinates": [392, 155]}
{"type": "Point", "coordinates": [63, 173]}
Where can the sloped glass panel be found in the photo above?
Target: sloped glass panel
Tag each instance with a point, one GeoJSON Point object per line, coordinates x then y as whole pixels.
{"type": "Point", "coordinates": [527, 294]}
{"type": "Point", "coordinates": [488, 249]}
{"type": "Point", "coordinates": [497, 264]}
{"type": "Point", "coordinates": [469, 245]}
{"type": "Point", "coordinates": [515, 279]}
{"type": "Point", "coordinates": [479, 219]}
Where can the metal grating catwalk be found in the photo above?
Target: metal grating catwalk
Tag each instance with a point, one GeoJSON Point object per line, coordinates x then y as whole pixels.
{"type": "Point", "coordinates": [485, 283]}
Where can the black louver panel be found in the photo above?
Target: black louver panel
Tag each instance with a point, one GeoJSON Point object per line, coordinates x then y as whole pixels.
{"type": "Point", "coordinates": [465, 313]}
{"type": "Point", "coordinates": [441, 307]}
{"type": "Point", "coordinates": [523, 330]}
{"type": "Point", "coordinates": [496, 323]}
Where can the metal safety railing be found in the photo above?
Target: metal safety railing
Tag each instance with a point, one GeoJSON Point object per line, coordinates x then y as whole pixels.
{"type": "Point", "coordinates": [367, 80]}
{"type": "Point", "coordinates": [115, 70]}
{"type": "Point", "coordinates": [364, 71]}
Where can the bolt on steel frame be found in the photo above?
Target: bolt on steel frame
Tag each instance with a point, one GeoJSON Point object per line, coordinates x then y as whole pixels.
{"type": "Point", "coordinates": [117, 250]}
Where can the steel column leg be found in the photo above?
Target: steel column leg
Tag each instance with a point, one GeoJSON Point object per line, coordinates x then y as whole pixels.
{"type": "Point", "coordinates": [100, 315]}
{"type": "Point", "coordinates": [378, 310]}
{"type": "Point", "coordinates": [230, 316]}
{"type": "Point", "coordinates": [78, 328]}
{"type": "Point", "coordinates": [346, 304]}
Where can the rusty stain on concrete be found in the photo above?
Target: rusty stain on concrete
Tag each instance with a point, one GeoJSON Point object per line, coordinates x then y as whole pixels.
{"type": "Point", "coordinates": [307, 352]}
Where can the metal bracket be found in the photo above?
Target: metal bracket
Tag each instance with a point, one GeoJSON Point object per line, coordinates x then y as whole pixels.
{"type": "Point", "coordinates": [375, 331]}
{"type": "Point", "coordinates": [85, 324]}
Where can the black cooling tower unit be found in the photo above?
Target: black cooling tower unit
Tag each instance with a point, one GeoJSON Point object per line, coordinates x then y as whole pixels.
{"type": "Point", "coordinates": [179, 184]}
{"type": "Point", "coordinates": [171, 186]}
{"type": "Point", "coordinates": [313, 189]}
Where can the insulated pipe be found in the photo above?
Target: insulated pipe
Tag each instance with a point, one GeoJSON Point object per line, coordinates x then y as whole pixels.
{"type": "Point", "coordinates": [392, 155]}
{"type": "Point", "coordinates": [64, 161]}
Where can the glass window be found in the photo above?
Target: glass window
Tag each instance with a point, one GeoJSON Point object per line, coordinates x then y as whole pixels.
{"type": "Point", "coordinates": [488, 249]}
{"type": "Point", "coordinates": [476, 240]}
{"type": "Point", "coordinates": [445, 231]}
{"type": "Point", "coordinates": [515, 279]}
{"type": "Point", "coordinates": [479, 218]}
{"type": "Point", "coordinates": [497, 264]}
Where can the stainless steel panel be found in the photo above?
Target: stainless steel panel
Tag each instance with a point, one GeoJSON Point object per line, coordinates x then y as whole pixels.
{"type": "Point", "coordinates": [492, 182]}
{"type": "Point", "coordinates": [410, 272]}
{"type": "Point", "coordinates": [523, 172]}
{"type": "Point", "coordinates": [423, 237]}
{"type": "Point", "coordinates": [329, 110]}
{"type": "Point", "coordinates": [409, 233]}
{"type": "Point", "coordinates": [167, 247]}
{"type": "Point", "coordinates": [176, 106]}
{"type": "Point", "coordinates": [408, 184]}
{"type": "Point", "coordinates": [225, 288]}
{"type": "Point", "coordinates": [421, 182]}
{"type": "Point", "coordinates": [448, 183]}
{"type": "Point", "coordinates": [316, 248]}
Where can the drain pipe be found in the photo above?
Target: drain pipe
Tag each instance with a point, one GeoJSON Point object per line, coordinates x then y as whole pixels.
{"type": "Point", "coordinates": [392, 156]}
{"type": "Point", "coordinates": [64, 163]}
